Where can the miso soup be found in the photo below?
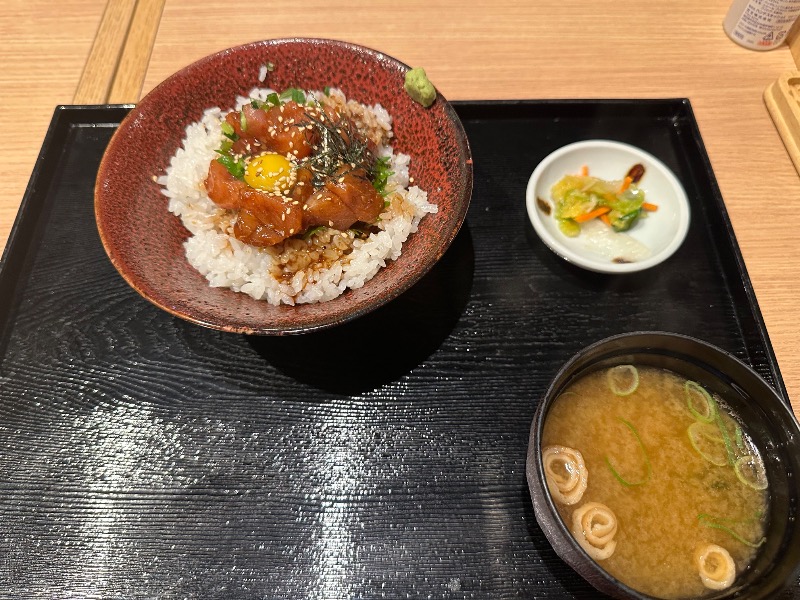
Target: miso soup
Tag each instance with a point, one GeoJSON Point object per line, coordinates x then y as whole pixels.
{"type": "Point", "coordinates": [657, 479]}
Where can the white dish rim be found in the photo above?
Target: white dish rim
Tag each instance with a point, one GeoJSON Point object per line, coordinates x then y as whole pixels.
{"type": "Point", "coordinates": [583, 260]}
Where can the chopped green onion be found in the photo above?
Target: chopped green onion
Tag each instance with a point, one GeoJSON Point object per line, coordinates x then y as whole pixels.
{"type": "Point", "coordinates": [700, 434]}
{"type": "Point", "coordinates": [739, 436]}
{"type": "Point", "coordinates": [726, 438]}
{"type": "Point", "coordinates": [256, 103]}
{"type": "Point", "coordinates": [243, 121]}
{"type": "Point", "coordinates": [750, 471]}
{"type": "Point", "coordinates": [708, 411]}
{"type": "Point", "coordinates": [235, 167]}
{"type": "Point", "coordinates": [293, 94]}
{"type": "Point", "coordinates": [228, 131]}
{"type": "Point", "coordinates": [381, 174]}
{"type": "Point", "coordinates": [648, 466]}
{"type": "Point", "coordinates": [623, 379]}
{"type": "Point", "coordinates": [734, 431]}
{"type": "Point", "coordinates": [716, 523]}
{"type": "Point", "coordinates": [311, 231]}
{"type": "Point", "coordinates": [327, 90]}
{"type": "Point", "coordinates": [269, 67]}
{"type": "Point", "coordinates": [359, 233]}
{"type": "Point", "coordinates": [225, 146]}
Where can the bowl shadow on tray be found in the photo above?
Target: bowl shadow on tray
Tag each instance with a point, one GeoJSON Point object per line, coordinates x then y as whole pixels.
{"type": "Point", "coordinates": [408, 330]}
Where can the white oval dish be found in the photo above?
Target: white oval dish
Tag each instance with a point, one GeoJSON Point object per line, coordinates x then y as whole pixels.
{"type": "Point", "coordinates": [663, 231]}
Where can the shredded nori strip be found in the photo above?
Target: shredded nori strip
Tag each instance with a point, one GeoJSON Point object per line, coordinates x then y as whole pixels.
{"type": "Point", "coordinates": [338, 145]}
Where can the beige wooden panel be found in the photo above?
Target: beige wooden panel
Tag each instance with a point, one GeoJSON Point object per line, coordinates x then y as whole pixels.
{"type": "Point", "coordinates": [129, 78]}
{"type": "Point", "coordinates": [45, 45]}
{"type": "Point", "coordinates": [101, 65]}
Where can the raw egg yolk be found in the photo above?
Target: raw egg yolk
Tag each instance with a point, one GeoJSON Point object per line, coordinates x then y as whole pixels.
{"type": "Point", "coordinates": [270, 172]}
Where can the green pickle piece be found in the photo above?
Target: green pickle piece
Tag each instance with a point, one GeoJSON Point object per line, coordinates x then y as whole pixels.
{"type": "Point", "coordinates": [577, 195]}
{"type": "Point", "coordinates": [569, 227]}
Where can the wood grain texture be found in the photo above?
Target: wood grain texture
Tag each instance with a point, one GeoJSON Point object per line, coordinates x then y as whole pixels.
{"type": "Point", "coordinates": [129, 76]}
{"type": "Point", "coordinates": [574, 49]}
{"type": "Point", "coordinates": [104, 57]}
{"type": "Point", "coordinates": [144, 456]}
{"type": "Point", "coordinates": [196, 458]}
{"type": "Point", "coordinates": [45, 46]}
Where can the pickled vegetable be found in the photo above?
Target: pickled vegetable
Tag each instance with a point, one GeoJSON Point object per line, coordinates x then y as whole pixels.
{"type": "Point", "coordinates": [582, 198]}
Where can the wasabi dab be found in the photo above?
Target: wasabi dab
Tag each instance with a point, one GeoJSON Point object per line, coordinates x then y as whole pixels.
{"type": "Point", "coordinates": [419, 87]}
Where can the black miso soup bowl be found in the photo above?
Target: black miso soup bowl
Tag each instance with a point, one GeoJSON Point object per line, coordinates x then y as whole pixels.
{"type": "Point", "coordinates": [770, 422]}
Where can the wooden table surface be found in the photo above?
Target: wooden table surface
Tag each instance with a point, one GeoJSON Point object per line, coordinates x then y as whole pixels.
{"type": "Point", "coordinates": [471, 50]}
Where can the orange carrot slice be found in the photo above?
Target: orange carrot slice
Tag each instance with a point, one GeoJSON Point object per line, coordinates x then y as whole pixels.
{"type": "Point", "coordinates": [592, 214]}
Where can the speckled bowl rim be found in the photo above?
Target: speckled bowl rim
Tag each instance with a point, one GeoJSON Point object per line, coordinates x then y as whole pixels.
{"type": "Point", "coordinates": [333, 317]}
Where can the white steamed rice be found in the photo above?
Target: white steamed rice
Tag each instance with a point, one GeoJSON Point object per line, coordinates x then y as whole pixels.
{"type": "Point", "coordinates": [294, 271]}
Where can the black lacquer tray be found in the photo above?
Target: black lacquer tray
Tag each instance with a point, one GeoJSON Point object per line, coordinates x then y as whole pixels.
{"type": "Point", "coordinates": [143, 456]}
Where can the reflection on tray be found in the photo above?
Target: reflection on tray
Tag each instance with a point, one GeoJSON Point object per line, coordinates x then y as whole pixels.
{"type": "Point", "coordinates": [144, 455]}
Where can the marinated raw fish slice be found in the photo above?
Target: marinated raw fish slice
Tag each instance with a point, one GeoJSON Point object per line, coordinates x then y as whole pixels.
{"type": "Point", "coordinates": [223, 188]}
{"type": "Point", "coordinates": [266, 219]}
{"type": "Point", "coordinates": [345, 199]}
{"type": "Point", "coordinates": [327, 209]}
{"type": "Point", "coordinates": [303, 186]}
{"type": "Point", "coordinates": [282, 129]}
